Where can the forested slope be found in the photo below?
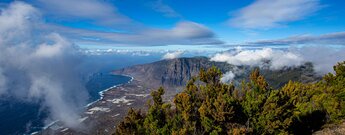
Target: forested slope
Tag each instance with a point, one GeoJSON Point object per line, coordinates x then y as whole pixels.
{"type": "Point", "coordinates": [212, 107]}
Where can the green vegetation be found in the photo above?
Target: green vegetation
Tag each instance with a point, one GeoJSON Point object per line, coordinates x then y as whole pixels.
{"type": "Point", "coordinates": [207, 106]}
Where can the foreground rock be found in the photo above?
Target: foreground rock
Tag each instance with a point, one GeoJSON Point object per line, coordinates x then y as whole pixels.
{"type": "Point", "coordinates": [332, 130]}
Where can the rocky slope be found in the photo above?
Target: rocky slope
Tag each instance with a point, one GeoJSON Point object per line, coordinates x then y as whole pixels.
{"type": "Point", "coordinates": [175, 73]}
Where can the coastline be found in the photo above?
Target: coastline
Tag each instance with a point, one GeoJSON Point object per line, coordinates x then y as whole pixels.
{"type": "Point", "coordinates": [101, 93]}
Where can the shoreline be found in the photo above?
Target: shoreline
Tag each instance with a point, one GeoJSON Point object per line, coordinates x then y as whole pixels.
{"type": "Point", "coordinates": [101, 93]}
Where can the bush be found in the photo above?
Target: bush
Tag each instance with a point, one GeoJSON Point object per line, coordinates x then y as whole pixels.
{"type": "Point", "coordinates": [207, 106]}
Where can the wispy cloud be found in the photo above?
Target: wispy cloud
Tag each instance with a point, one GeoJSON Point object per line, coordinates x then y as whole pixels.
{"type": "Point", "coordinates": [161, 7]}
{"type": "Point", "coordinates": [94, 10]}
{"type": "Point", "coordinates": [184, 33]}
{"type": "Point", "coordinates": [131, 33]}
{"type": "Point", "coordinates": [337, 38]}
{"type": "Point", "coordinates": [39, 66]}
{"type": "Point", "coordinates": [264, 14]}
{"type": "Point", "coordinates": [227, 77]}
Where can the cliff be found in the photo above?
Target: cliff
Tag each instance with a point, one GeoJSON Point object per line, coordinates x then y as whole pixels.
{"type": "Point", "coordinates": [175, 73]}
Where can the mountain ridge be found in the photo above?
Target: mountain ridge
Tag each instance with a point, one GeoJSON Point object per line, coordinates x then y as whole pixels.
{"type": "Point", "coordinates": [174, 73]}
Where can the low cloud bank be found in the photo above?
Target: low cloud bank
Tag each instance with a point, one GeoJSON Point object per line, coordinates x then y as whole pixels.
{"type": "Point", "coordinates": [227, 77]}
{"type": "Point", "coordinates": [322, 57]}
{"type": "Point", "coordinates": [38, 66]}
{"type": "Point", "coordinates": [277, 58]}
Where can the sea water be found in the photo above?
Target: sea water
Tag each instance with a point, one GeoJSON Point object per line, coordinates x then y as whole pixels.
{"type": "Point", "coordinates": [18, 117]}
{"type": "Point", "coordinates": [21, 117]}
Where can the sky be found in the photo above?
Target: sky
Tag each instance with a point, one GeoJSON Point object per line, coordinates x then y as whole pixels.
{"type": "Point", "coordinates": [191, 24]}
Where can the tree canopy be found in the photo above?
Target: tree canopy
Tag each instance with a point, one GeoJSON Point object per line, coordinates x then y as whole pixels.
{"type": "Point", "coordinates": [207, 106]}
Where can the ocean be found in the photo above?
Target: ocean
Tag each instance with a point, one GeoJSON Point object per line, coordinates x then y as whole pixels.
{"type": "Point", "coordinates": [22, 117]}
{"type": "Point", "coordinates": [18, 117]}
{"type": "Point", "coordinates": [103, 81]}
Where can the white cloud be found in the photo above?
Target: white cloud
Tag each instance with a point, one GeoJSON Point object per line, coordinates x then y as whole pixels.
{"type": "Point", "coordinates": [323, 58]}
{"type": "Point", "coordinates": [173, 55]}
{"type": "Point", "coordinates": [14, 21]}
{"type": "Point", "coordinates": [35, 68]}
{"type": "Point", "coordinates": [48, 50]}
{"type": "Point", "coordinates": [190, 30]}
{"type": "Point", "coordinates": [273, 13]}
{"type": "Point", "coordinates": [227, 77]}
{"type": "Point", "coordinates": [277, 58]}
{"type": "Point", "coordinates": [182, 33]}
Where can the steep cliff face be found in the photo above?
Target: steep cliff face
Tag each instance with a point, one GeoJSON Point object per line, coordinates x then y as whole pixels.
{"type": "Point", "coordinates": [176, 72]}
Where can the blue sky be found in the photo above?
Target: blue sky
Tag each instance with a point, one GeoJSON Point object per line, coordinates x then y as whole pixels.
{"type": "Point", "coordinates": [190, 23]}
